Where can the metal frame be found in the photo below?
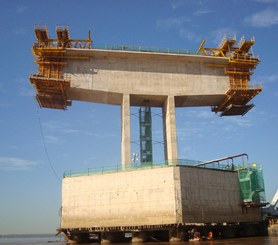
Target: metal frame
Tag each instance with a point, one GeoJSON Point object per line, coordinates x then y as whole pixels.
{"type": "Point", "coordinates": [240, 67]}
{"type": "Point", "coordinates": [50, 84]}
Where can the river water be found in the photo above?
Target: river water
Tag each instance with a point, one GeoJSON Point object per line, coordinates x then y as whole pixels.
{"type": "Point", "coordinates": [47, 240]}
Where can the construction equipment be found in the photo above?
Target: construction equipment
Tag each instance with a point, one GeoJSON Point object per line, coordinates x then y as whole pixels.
{"type": "Point", "coordinates": [272, 209]}
{"type": "Point", "coordinates": [239, 69]}
{"type": "Point", "coordinates": [145, 122]}
{"type": "Point", "coordinates": [250, 177]}
{"type": "Point", "coordinates": [252, 185]}
{"type": "Point", "coordinates": [50, 84]}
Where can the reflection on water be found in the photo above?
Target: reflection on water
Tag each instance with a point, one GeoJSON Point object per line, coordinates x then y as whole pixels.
{"type": "Point", "coordinates": [237, 241]}
{"type": "Point", "coordinates": [272, 240]}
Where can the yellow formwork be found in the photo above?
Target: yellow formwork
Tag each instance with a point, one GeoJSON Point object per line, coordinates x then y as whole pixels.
{"type": "Point", "coordinates": [49, 82]}
{"type": "Point", "coordinates": [239, 69]}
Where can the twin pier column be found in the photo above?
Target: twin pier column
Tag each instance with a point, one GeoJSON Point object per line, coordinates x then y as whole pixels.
{"type": "Point", "coordinates": [170, 132]}
{"type": "Point", "coordinates": [126, 156]}
{"type": "Point", "coordinates": [169, 128]}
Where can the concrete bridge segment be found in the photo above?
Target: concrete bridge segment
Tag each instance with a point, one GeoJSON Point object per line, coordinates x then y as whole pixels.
{"type": "Point", "coordinates": [71, 70]}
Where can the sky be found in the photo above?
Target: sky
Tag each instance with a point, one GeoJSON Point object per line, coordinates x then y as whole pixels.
{"type": "Point", "coordinates": [38, 145]}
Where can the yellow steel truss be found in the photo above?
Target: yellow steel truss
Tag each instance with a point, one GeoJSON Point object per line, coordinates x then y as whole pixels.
{"type": "Point", "coordinates": [50, 84]}
{"type": "Point", "coordinates": [239, 69]}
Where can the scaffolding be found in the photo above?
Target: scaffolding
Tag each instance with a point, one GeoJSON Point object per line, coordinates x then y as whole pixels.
{"type": "Point", "coordinates": [145, 122]}
{"type": "Point", "coordinates": [239, 69]}
{"type": "Point", "coordinates": [250, 177]}
{"type": "Point", "coordinates": [50, 83]}
{"type": "Point", "coordinates": [252, 185]}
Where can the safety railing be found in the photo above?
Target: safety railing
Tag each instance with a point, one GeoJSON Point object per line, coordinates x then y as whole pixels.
{"type": "Point", "coordinates": [146, 165]}
{"type": "Point", "coordinates": [244, 85]}
{"type": "Point", "coordinates": [135, 48]}
{"type": "Point", "coordinates": [247, 58]}
{"type": "Point", "coordinates": [226, 38]}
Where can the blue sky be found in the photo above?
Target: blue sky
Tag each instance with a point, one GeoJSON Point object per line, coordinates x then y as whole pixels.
{"type": "Point", "coordinates": [88, 135]}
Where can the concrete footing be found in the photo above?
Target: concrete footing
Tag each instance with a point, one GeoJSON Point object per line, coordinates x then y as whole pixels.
{"type": "Point", "coordinates": [76, 238]}
{"type": "Point", "coordinates": [112, 237]}
{"type": "Point", "coordinates": [150, 236]}
{"type": "Point", "coordinates": [176, 235]}
{"type": "Point", "coordinates": [143, 236]}
{"type": "Point", "coordinates": [170, 234]}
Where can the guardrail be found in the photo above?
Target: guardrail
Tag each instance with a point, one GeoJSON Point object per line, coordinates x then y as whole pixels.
{"type": "Point", "coordinates": [142, 49]}
{"type": "Point", "coordinates": [145, 165]}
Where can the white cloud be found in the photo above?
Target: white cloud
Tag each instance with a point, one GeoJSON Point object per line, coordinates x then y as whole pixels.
{"type": "Point", "coordinates": [55, 131]}
{"type": "Point", "coordinates": [201, 113]}
{"type": "Point", "coordinates": [187, 148]}
{"type": "Point", "coordinates": [265, 18]}
{"type": "Point", "coordinates": [205, 114]}
{"type": "Point", "coordinates": [15, 164]}
{"type": "Point", "coordinates": [70, 131]}
{"type": "Point", "coordinates": [21, 9]}
{"type": "Point", "coordinates": [266, 1]}
{"type": "Point", "coordinates": [233, 123]}
{"type": "Point", "coordinates": [60, 127]}
{"type": "Point", "coordinates": [24, 88]}
{"type": "Point", "coordinates": [268, 79]}
{"type": "Point", "coordinates": [52, 125]}
{"type": "Point", "coordinates": [51, 139]}
{"type": "Point", "coordinates": [189, 35]}
{"type": "Point", "coordinates": [181, 23]}
{"type": "Point", "coordinates": [103, 136]}
{"type": "Point", "coordinates": [189, 131]}
{"type": "Point", "coordinates": [202, 12]}
{"type": "Point", "coordinates": [186, 152]}
{"type": "Point", "coordinates": [177, 4]}
{"type": "Point", "coordinates": [169, 23]}
{"type": "Point", "coordinates": [178, 23]}
{"type": "Point", "coordinates": [219, 33]}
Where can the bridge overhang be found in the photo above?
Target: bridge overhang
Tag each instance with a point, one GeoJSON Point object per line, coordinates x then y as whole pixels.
{"type": "Point", "coordinates": [102, 76]}
{"type": "Point", "coordinates": [71, 70]}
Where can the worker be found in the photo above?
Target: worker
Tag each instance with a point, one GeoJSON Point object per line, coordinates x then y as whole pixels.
{"type": "Point", "coordinates": [210, 235]}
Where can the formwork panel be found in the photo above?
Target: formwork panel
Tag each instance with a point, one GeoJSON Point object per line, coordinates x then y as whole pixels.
{"type": "Point", "coordinates": [128, 198]}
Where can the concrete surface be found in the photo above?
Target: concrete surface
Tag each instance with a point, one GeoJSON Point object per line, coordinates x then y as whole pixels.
{"type": "Point", "coordinates": [170, 131]}
{"type": "Point", "coordinates": [213, 196]}
{"type": "Point", "coordinates": [131, 198]}
{"type": "Point", "coordinates": [125, 129]}
{"type": "Point", "coordinates": [131, 78]}
{"type": "Point", "coordinates": [158, 196]}
{"type": "Point", "coordinates": [106, 75]}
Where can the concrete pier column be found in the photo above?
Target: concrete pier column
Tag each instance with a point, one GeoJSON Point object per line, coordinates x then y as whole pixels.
{"type": "Point", "coordinates": [125, 129]}
{"type": "Point", "coordinates": [169, 127]}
